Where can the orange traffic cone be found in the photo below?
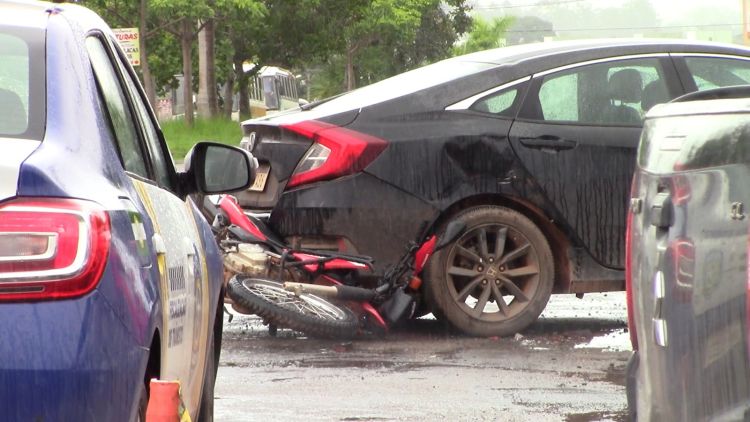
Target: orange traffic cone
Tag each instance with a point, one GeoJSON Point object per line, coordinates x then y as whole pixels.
{"type": "Point", "coordinates": [164, 404]}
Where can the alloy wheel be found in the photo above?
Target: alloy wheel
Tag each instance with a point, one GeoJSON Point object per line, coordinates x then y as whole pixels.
{"type": "Point", "coordinates": [493, 272]}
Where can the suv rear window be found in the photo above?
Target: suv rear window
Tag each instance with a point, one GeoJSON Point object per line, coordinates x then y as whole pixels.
{"type": "Point", "coordinates": [22, 86]}
{"type": "Point", "coordinates": [680, 143]}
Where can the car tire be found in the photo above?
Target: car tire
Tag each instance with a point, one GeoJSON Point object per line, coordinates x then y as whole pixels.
{"type": "Point", "coordinates": [502, 254]}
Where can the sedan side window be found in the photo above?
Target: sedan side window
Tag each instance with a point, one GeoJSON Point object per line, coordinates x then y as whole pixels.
{"type": "Point", "coordinates": [611, 93]}
{"type": "Point", "coordinates": [715, 72]}
{"type": "Point", "coordinates": [116, 105]}
{"type": "Point", "coordinates": [558, 98]}
{"type": "Point", "coordinates": [500, 103]}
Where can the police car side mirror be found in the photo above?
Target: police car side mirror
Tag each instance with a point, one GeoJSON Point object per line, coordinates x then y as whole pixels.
{"type": "Point", "coordinates": [212, 168]}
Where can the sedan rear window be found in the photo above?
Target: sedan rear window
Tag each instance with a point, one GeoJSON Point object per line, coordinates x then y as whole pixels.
{"type": "Point", "coordinates": [405, 83]}
{"type": "Point", "coordinates": [21, 84]}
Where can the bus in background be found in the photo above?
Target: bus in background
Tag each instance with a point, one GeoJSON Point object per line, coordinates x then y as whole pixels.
{"type": "Point", "coordinates": [272, 90]}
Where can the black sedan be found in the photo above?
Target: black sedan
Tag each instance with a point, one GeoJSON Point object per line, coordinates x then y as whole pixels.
{"type": "Point", "coordinates": [532, 146]}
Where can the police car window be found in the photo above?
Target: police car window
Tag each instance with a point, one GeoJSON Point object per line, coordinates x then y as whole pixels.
{"type": "Point", "coordinates": [14, 85]}
{"type": "Point", "coordinates": [158, 158]}
{"type": "Point", "coordinates": [21, 84]}
{"type": "Point", "coordinates": [715, 72]}
{"type": "Point", "coordinates": [120, 117]}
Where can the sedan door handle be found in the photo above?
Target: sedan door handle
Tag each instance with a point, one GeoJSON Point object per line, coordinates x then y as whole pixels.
{"type": "Point", "coordinates": [552, 142]}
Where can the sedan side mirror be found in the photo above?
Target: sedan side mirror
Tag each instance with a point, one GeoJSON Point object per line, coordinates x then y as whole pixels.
{"type": "Point", "coordinates": [212, 168]}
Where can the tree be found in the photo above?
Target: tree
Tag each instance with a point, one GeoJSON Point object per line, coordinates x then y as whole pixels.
{"type": "Point", "coordinates": [206, 100]}
{"type": "Point", "coordinates": [289, 34]}
{"type": "Point", "coordinates": [181, 17]}
{"type": "Point", "coordinates": [148, 80]}
{"type": "Point", "coordinates": [238, 12]}
{"type": "Point", "coordinates": [484, 35]}
{"type": "Point", "coordinates": [528, 29]}
{"type": "Point", "coordinates": [381, 38]}
{"type": "Point", "coordinates": [368, 39]}
{"type": "Point", "coordinates": [128, 14]}
{"type": "Point", "coordinates": [575, 20]}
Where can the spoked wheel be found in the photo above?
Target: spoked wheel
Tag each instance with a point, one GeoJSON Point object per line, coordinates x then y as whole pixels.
{"type": "Point", "coordinates": [495, 279]}
{"type": "Point", "coordinates": [308, 313]}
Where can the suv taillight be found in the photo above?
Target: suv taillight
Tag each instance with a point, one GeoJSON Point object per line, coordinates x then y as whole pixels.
{"type": "Point", "coordinates": [51, 248]}
{"type": "Point", "coordinates": [336, 152]}
{"type": "Point", "coordinates": [683, 250]}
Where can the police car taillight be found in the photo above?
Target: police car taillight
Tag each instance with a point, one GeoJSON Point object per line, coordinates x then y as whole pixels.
{"type": "Point", "coordinates": [51, 248]}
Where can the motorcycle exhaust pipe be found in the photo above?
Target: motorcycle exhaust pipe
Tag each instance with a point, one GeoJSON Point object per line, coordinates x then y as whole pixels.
{"type": "Point", "coordinates": [339, 292]}
{"type": "Point", "coordinates": [299, 288]}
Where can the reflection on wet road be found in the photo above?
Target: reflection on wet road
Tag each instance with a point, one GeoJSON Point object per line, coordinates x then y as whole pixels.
{"type": "Point", "coordinates": [568, 366]}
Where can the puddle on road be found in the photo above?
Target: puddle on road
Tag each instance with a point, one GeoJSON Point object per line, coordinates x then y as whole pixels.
{"type": "Point", "coordinates": [613, 374]}
{"type": "Point", "coordinates": [370, 364]}
{"type": "Point", "coordinates": [617, 341]}
{"type": "Point", "coordinates": [598, 417]}
{"type": "Point", "coordinates": [616, 374]}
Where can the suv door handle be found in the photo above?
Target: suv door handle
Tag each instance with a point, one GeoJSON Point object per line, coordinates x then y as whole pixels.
{"type": "Point", "coordinates": [549, 142]}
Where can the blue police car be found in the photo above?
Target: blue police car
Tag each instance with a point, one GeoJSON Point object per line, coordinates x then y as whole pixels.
{"type": "Point", "coordinates": [109, 275]}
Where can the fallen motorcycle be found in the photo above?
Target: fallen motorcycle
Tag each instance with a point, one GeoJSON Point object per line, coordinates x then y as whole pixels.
{"type": "Point", "coordinates": [318, 292]}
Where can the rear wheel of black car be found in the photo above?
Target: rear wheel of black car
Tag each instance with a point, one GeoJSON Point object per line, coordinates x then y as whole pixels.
{"type": "Point", "coordinates": [496, 278]}
{"type": "Point", "coordinates": [307, 313]}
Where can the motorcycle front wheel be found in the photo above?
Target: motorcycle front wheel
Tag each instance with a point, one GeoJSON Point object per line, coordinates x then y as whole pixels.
{"type": "Point", "coordinates": [310, 314]}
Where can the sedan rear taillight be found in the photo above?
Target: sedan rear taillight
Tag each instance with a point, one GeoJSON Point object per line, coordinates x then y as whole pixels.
{"type": "Point", "coordinates": [51, 248]}
{"type": "Point", "coordinates": [336, 152]}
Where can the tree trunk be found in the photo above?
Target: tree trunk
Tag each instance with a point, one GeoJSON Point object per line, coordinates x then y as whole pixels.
{"type": "Point", "coordinates": [349, 74]}
{"type": "Point", "coordinates": [148, 80]}
{"type": "Point", "coordinates": [242, 81]}
{"type": "Point", "coordinates": [186, 42]}
{"type": "Point", "coordinates": [229, 95]}
{"type": "Point", "coordinates": [207, 100]}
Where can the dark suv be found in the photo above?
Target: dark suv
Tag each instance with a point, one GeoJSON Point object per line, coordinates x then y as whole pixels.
{"type": "Point", "coordinates": [532, 146]}
{"type": "Point", "coordinates": [688, 261]}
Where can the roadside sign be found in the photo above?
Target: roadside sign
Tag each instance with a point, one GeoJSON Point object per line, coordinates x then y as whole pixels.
{"type": "Point", "coordinates": [130, 43]}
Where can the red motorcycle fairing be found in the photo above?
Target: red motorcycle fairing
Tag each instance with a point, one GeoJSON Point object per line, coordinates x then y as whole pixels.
{"type": "Point", "coordinates": [366, 306]}
{"type": "Point", "coordinates": [334, 264]}
{"type": "Point", "coordinates": [423, 254]}
{"type": "Point", "coordinates": [230, 206]}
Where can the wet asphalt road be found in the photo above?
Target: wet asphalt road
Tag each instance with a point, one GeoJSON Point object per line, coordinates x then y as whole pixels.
{"type": "Point", "coordinates": [569, 366]}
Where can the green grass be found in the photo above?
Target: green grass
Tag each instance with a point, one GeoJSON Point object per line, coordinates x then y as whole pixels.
{"type": "Point", "coordinates": [181, 138]}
